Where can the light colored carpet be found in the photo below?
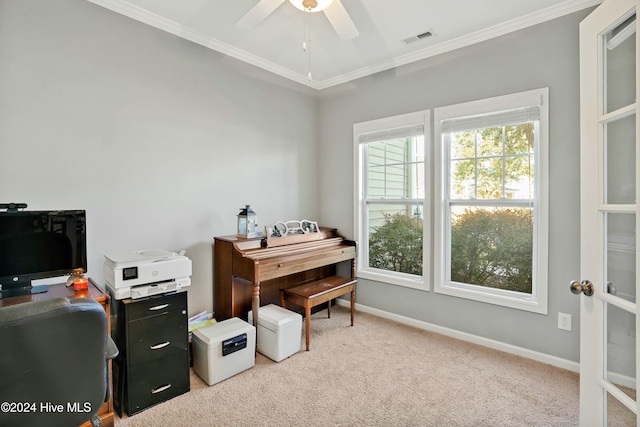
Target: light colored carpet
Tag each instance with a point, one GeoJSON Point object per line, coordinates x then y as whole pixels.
{"type": "Point", "coordinates": [378, 373]}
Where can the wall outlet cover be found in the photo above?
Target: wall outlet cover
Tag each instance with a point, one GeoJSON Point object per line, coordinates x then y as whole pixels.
{"type": "Point", "coordinates": [564, 321]}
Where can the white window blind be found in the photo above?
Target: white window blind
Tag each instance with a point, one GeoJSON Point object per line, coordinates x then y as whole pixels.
{"type": "Point", "coordinates": [483, 121]}
{"type": "Point", "coordinates": [387, 134]}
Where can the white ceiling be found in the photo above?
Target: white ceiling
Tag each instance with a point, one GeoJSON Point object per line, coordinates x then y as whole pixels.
{"type": "Point", "coordinates": [276, 43]}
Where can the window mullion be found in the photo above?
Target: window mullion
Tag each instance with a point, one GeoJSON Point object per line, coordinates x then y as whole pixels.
{"type": "Point", "coordinates": [475, 164]}
{"type": "Point", "coordinates": [394, 201]}
{"type": "Point", "coordinates": [491, 202]}
{"type": "Point", "coordinates": [503, 163]}
{"type": "Point", "coordinates": [386, 165]}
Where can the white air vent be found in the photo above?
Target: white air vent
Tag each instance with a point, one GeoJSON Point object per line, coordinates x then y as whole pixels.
{"type": "Point", "coordinates": [418, 37]}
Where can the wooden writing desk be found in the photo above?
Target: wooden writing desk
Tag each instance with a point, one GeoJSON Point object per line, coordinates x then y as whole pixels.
{"type": "Point", "coordinates": [60, 290]}
{"type": "Point", "coordinates": [247, 275]}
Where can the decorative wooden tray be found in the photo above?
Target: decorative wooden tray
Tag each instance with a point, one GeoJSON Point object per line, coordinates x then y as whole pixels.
{"type": "Point", "coordinates": [290, 232]}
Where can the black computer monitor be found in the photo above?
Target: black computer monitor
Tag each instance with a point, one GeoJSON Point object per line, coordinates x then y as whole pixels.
{"type": "Point", "coordinates": [39, 245]}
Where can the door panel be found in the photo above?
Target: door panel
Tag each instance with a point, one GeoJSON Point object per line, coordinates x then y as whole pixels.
{"type": "Point", "coordinates": [621, 349]}
{"type": "Point", "coordinates": [621, 255]}
{"type": "Point", "coordinates": [619, 415]}
{"type": "Point", "coordinates": [620, 150]}
{"type": "Point", "coordinates": [620, 65]}
{"type": "Point", "coordinates": [609, 215]}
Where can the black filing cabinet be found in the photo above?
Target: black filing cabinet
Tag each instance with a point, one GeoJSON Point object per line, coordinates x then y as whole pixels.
{"type": "Point", "coordinates": [153, 364]}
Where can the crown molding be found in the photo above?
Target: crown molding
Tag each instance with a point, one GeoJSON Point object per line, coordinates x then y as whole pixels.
{"type": "Point", "coordinates": [125, 8]}
{"type": "Point", "coordinates": [142, 15]}
{"type": "Point", "coordinates": [507, 27]}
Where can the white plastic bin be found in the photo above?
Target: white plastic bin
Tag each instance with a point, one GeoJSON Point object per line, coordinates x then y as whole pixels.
{"type": "Point", "coordinates": [279, 332]}
{"type": "Point", "coordinates": [223, 349]}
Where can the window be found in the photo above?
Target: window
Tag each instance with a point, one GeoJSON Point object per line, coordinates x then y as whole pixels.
{"type": "Point", "coordinates": [391, 209]}
{"type": "Point", "coordinates": [491, 191]}
{"type": "Point", "coordinates": [490, 208]}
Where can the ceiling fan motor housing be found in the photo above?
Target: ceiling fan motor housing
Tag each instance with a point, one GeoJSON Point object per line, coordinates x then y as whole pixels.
{"type": "Point", "coordinates": [309, 4]}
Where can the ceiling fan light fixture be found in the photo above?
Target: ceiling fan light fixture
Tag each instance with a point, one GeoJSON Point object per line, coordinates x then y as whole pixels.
{"type": "Point", "coordinates": [311, 5]}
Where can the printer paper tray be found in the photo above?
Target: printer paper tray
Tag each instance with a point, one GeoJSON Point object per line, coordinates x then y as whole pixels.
{"type": "Point", "coordinates": [141, 291]}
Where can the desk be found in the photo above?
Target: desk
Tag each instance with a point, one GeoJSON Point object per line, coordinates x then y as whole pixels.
{"type": "Point", "coordinates": [248, 275]}
{"type": "Point", "coordinates": [60, 290]}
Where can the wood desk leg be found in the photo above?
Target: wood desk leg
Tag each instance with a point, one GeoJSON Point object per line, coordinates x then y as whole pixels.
{"type": "Point", "coordinates": [329, 309]}
{"type": "Point", "coordinates": [255, 303]}
{"type": "Point", "coordinates": [353, 303]}
{"type": "Point", "coordinates": [307, 321]}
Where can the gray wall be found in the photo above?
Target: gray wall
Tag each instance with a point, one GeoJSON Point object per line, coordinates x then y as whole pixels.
{"type": "Point", "coordinates": [159, 139]}
{"type": "Point", "coordinates": [545, 55]}
{"type": "Point", "coordinates": [162, 140]}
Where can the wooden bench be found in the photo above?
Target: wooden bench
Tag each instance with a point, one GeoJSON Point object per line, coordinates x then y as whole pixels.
{"type": "Point", "coordinates": [310, 294]}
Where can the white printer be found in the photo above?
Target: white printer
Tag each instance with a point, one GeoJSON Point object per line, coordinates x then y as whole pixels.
{"type": "Point", "coordinates": [143, 273]}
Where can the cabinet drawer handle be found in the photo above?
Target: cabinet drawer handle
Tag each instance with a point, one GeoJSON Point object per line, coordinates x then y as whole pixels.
{"type": "Point", "coordinates": [158, 307]}
{"type": "Point", "coordinates": [160, 389]}
{"type": "Point", "coordinates": [159, 346]}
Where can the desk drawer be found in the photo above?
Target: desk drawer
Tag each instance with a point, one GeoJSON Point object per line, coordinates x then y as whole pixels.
{"type": "Point", "coordinates": [157, 337]}
{"type": "Point", "coordinates": [284, 267]}
{"type": "Point", "coordinates": [156, 305]}
{"type": "Point", "coordinates": [157, 381]}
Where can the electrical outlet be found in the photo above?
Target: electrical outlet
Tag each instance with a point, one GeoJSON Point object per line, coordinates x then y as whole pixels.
{"type": "Point", "coordinates": [564, 321]}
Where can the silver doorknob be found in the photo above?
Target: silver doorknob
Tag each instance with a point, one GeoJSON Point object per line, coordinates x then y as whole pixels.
{"type": "Point", "coordinates": [585, 287]}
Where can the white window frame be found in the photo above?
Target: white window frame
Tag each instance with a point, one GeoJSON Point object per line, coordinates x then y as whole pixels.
{"type": "Point", "coordinates": [361, 225]}
{"type": "Point", "coordinates": [538, 301]}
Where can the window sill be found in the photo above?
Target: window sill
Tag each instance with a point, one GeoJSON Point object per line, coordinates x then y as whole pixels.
{"type": "Point", "coordinates": [495, 296]}
{"type": "Point", "coordinates": [399, 279]}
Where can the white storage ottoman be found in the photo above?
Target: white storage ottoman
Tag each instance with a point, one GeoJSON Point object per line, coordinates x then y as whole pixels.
{"type": "Point", "coordinates": [279, 332]}
{"type": "Point", "coordinates": [223, 349]}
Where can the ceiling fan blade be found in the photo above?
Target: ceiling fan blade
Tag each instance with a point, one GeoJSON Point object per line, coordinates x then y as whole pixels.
{"type": "Point", "coordinates": [258, 13]}
{"type": "Point", "coordinates": [340, 20]}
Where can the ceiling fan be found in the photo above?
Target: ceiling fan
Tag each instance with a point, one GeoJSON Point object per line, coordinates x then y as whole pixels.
{"type": "Point", "coordinates": [333, 9]}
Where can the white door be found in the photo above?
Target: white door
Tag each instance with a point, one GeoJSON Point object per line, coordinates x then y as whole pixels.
{"type": "Point", "coordinates": [608, 286]}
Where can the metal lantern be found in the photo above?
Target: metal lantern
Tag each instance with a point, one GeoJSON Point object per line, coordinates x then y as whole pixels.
{"type": "Point", "coordinates": [247, 223]}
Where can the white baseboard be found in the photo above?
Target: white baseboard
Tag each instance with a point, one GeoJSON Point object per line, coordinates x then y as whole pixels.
{"type": "Point", "coordinates": [464, 336]}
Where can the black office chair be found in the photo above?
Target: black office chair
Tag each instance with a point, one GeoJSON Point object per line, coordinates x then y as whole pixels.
{"type": "Point", "coordinates": [54, 366]}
